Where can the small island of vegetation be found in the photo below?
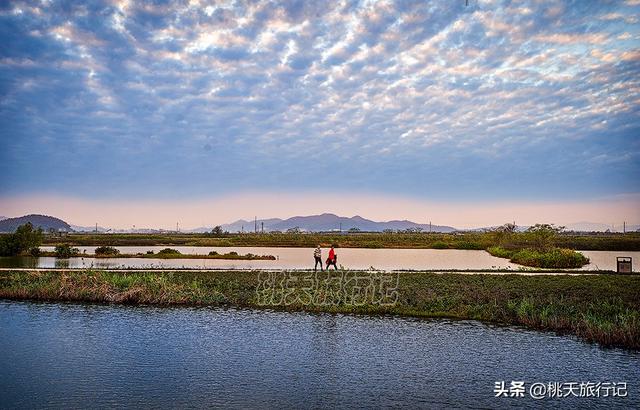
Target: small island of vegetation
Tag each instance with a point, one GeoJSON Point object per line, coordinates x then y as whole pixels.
{"type": "Point", "coordinates": [103, 252]}
{"type": "Point", "coordinates": [536, 247]}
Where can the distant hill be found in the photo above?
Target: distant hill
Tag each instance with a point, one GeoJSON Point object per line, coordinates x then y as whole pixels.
{"type": "Point", "coordinates": [78, 228]}
{"type": "Point", "coordinates": [330, 222]}
{"type": "Point", "coordinates": [248, 226]}
{"type": "Point", "coordinates": [38, 221]}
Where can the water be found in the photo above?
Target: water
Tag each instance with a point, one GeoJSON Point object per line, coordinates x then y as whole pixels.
{"type": "Point", "coordinates": [302, 258]}
{"type": "Point", "coordinates": [75, 355]}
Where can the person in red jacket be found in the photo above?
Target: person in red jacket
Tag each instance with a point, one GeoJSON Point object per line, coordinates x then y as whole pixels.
{"type": "Point", "coordinates": [332, 259]}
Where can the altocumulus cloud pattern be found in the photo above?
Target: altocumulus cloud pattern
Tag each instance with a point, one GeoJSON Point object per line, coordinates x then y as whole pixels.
{"type": "Point", "coordinates": [427, 98]}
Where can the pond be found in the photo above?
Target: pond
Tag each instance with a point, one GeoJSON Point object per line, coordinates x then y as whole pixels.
{"type": "Point", "coordinates": [302, 258]}
{"type": "Point", "coordinates": [78, 355]}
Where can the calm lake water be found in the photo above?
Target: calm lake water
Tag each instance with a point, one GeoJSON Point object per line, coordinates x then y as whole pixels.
{"type": "Point", "coordinates": [301, 258]}
{"type": "Point", "coordinates": [98, 356]}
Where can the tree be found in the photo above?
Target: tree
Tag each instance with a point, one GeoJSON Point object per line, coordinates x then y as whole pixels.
{"type": "Point", "coordinates": [22, 240]}
{"type": "Point", "coordinates": [543, 235]}
{"type": "Point", "coordinates": [354, 229]}
{"type": "Point", "coordinates": [503, 234]}
{"type": "Point", "coordinates": [217, 230]}
{"type": "Point", "coordinates": [294, 230]}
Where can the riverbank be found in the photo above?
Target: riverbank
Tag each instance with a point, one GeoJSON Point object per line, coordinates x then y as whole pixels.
{"type": "Point", "coordinates": [596, 308]}
{"type": "Point", "coordinates": [159, 255]}
{"type": "Point", "coordinates": [466, 240]}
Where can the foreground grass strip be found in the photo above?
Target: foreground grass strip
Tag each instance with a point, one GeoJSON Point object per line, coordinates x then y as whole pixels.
{"type": "Point", "coordinates": [596, 308]}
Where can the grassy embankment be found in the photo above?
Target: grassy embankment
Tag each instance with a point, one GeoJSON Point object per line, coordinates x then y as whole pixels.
{"type": "Point", "coordinates": [603, 309]}
{"type": "Point", "coordinates": [471, 240]}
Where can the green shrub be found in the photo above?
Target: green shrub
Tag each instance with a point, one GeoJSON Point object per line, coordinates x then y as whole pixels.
{"type": "Point", "coordinates": [470, 245]}
{"type": "Point", "coordinates": [213, 253]}
{"type": "Point", "coordinates": [499, 252]}
{"type": "Point", "coordinates": [439, 245]}
{"type": "Point", "coordinates": [66, 251]}
{"type": "Point", "coordinates": [169, 251]}
{"type": "Point", "coordinates": [106, 250]}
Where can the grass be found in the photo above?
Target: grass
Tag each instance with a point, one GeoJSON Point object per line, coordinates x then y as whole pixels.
{"type": "Point", "coordinates": [553, 258]}
{"type": "Point", "coordinates": [596, 308]}
{"type": "Point", "coordinates": [470, 240]}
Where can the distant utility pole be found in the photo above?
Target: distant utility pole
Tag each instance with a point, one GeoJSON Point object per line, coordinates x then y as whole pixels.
{"type": "Point", "coordinates": [340, 227]}
{"type": "Point", "coordinates": [177, 228]}
{"type": "Point", "coordinates": [624, 226]}
{"type": "Point", "coordinates": [242, 229]}
{"type": "Point", "coordinates": [255, 224]}
{"type": "Point", "coordinates": [429, 226]}
{"type": "Point", "coordinates": [96, 227]}
{"type": "Point", "coordinates": [262, 228]}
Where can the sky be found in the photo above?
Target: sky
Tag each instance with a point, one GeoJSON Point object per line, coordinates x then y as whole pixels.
{"type": "Point", "coordinates": [145, 113]}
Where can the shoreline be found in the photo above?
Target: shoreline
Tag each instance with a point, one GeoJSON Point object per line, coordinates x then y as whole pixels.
{"type": "Point", "coordinates": [603, 309]}
{"type": "Point", "coordinates": [224, 256]}
{"type": "Point", "coordinates": [367, 240]}
{"type": "Point", "coordinates": [526, 271]}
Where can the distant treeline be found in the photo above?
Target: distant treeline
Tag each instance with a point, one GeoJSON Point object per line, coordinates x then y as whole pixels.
{"type": "Point", "coordinates": [468, 240]}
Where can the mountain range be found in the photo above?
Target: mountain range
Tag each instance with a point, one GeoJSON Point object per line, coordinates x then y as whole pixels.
{"type": "Point", "coordinates": [314, 223]}
{"type": "Point", "coordinates": [328, 222]}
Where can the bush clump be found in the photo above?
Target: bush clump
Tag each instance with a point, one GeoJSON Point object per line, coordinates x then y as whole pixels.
{"type": "Point", "coordinates": [66, 251]}
{"type": "Point", "coordinates": [106, 250]}
{"type": "Point", "coordinates": [470, 245]}
{"type": "Point", "coordinates": [440, 245]}
{"type": "Point", "coordinates": [169, 251]}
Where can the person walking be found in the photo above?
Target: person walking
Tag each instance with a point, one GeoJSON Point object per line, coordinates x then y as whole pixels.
{"type": "Point", "coordinates": [332, 259]}
{"type": "Point", "coordinates": [317, 254]}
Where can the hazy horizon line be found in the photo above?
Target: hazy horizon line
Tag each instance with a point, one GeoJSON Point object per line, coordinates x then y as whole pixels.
{"type": "Point", "coordinates": [191, 214]}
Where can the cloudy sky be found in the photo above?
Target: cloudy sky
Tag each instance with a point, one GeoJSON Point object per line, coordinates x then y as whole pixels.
{"type": "Point", "coordinates": [207, 112]}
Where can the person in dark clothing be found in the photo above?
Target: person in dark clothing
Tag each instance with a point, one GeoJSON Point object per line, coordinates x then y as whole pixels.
{"type": "Point", "coordinates": [332, 259]}
{"type": "Point", "coordinates": [317, 255]}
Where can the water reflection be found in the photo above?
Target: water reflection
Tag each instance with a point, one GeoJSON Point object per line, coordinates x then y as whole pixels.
{"type": "Point", "coordinates": [302, 258]}
{"type": "Point", "coordinates": [61, 355]}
